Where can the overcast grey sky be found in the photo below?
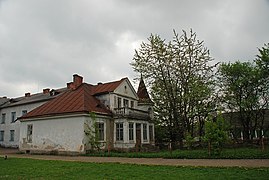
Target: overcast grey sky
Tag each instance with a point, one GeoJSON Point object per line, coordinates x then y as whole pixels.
{"type": "Point", "coordinates": [44, 42]}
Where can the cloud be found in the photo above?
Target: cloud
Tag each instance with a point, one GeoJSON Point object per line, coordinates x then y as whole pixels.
{"type": "Point", "coordinates": [43, 43]}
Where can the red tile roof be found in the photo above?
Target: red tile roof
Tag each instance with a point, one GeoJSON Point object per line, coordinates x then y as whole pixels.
{"type": "Point", "coordinates": [101, 88]}
{"type": "Point", "coordinates": [142, 93]}
{"type": "Point", "coordinates": [75, 101]}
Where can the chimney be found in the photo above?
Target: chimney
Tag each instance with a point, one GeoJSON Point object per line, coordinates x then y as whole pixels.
{"type": "Point", "coordinates": [77, 80]}
{"type": "Point", "coordinates": [27, 94]}
{"type": "Point", "coordinates": [70, 85]}
{"type": "Point", "coordinates": [46, 91]}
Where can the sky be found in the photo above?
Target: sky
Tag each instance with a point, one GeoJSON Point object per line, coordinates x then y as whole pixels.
{"type": "Point", "coordinates": [43, 43]}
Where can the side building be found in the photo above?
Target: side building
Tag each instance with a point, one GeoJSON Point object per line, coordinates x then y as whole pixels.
{"type": "Point", "coordinates": [11, 109]}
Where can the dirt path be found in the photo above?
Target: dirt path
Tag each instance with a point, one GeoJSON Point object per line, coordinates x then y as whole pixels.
{"type": "Point", "coordinates": [148, 161]}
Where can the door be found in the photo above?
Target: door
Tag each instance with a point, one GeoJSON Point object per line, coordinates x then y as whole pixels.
{"type": "Point", "coordinates": [138, 137]}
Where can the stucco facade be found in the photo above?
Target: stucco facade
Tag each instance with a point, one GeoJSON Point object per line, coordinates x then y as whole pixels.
{"type": "Point", "coordinates": [60, 122]}
{"type": "Point", "coordinates": [8, 125]}
{"type": "Point", "coordinates": [60, 134]}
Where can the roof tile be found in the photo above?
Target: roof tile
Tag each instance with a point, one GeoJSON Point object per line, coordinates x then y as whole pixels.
{"type": "Point", "coordinates": [79, 100]}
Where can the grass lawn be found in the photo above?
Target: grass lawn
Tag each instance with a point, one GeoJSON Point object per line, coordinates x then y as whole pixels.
{"type": "Point", "coordinates": [238, 153]}
{"type": "Point", "coordinates": [16, 168]}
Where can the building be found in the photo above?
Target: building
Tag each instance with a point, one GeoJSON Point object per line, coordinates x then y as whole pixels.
{"type": "Point", "coordinates": [256, 125]}
{"type": "Point", "coordinates": [11, 109]}
{"type": "Point", "coordinates": [110, 114]}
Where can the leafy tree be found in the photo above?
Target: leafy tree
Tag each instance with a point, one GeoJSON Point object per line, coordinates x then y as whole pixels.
{"type": "Point", "coordinates": [216, 134]}
{"type": "Point", "coordinates": [180, 77]}
{"type": "Point", "coordinates": [262, 62]}
{"type": "Point", "coordinates": [244, 87]}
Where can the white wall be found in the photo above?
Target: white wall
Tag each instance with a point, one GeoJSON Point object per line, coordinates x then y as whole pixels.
{"type": "Point", "coordinates": [57, 134]}
{"type": "Point", "coordinates": [16, 125]}
{"type": "Point", "coordinates": [128, 91]}
{"type": "Point", "coordinates": [89, 124]}
{"type": "Point", "coordinates": [126, 143]}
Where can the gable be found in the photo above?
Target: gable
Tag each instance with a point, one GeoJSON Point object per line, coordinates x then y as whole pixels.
{"type": "Point", "coordinates": [126, 89]}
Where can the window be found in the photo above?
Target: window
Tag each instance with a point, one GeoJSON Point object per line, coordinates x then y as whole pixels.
{"type": "Point", "coordinates": [29, 133]}
{"type": "Point", "coordinates": [132, 104]}
{"type": "Point", "coordinates": [100, 131]}
{"type": "Point", "coordinates": [23, 112]}
{"type": "Point", "coordinates": [131, 131]}
{"type": "Point", "coordinates": [119, 102]}
{"type": "Point", "coordinates": [3, 119]}
{"type": "Point", "coordinates": [119, 131]}
{"type": "Point", "coordinates": [13, 117]}
{"type": "Point", "coordinates": [150, 133]}
{"type": "Point", "coordinates": [115, 102]}
{"type": "Point", "coordinates": [2, 135]}
{"type": "Point", "coordinates": [126, 102]}
{"type": "Point", "coordinates": [145, 135]}
{"type": "Point", "coordinates": [12, 132]}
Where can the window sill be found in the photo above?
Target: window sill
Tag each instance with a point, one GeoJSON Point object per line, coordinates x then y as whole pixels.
{"type": "Point", "coordinates": [119, 141]}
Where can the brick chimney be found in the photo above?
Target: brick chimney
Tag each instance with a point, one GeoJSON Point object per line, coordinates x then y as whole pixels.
{"type": "Point", "coordinates": [27, 94]}
{"type": "Point", "coordinates": [77, 81]}
{"type": "Point", "coordinates": [70, 85]}
{"type": "Point", "coordinates": [46, 91]}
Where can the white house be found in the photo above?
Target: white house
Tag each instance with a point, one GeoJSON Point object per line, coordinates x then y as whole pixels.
{"type": "Point", "coordinates": [11, 109]}
{"type": "Point", "coordinates": [120, 117]}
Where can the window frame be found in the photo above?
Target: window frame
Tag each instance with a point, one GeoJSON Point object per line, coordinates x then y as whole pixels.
{"type": "Point", "coordinates": [13, 117]}
{"type": "Point", "coordinates": [119, 102]}
{"type": "Point", "coordinates": [3, 118]}
{"type": "Point", "coordinates": [2, 136]}
{"type": "Point", "coordinates": [12, 135]}
{"type": "Point", "coordinates": [29, 133]}
{"type": "Point", "coordinates": [125, 103]}
{"type": "Point", "coordinates": [145, 133]}
{"type": "Point", "coordinates": [119, 131]}
{"type": "Point", "coordinates": [131, 131]}
{"type": "Point", "coordinates": [100, 131]}
{"type": "Point", "coordinates": [23, 112]}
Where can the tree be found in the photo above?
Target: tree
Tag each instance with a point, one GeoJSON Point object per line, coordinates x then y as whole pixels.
{"type": "Point", "coordinates": [216, 134]}
{"type": "Point", "coordinates": [180, 78]}
{"type": "Point", "coordinates": [244, 87]}
{"type": "Point", "coordinates": [262, 62]}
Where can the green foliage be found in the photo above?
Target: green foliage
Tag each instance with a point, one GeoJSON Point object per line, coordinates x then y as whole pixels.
{"type": "Point", "coordinates": [24, 168]}
{"type": "Point", "coordinates": [92, 134]}
{"type": "Point", "coordinates": [180, 78]}
{"type": "Point", "coordinates": [227, 153]}
{"type": "Point", "coordinates": [244, 87]}
{"type": "Point", "coordinates": [262, 60]}
{"type": "Point", "coordinates": [189, 140]}
{"type": "Point", "coordinates": [216, 135]}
